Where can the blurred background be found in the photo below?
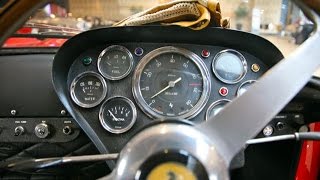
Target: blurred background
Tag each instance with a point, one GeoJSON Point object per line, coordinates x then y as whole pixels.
{"type": "Point", "coordinates": [280, 21]}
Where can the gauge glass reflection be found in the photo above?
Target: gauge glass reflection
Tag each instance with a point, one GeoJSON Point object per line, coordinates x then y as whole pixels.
{"type": "Point", "coordinates": [88, 89]}
{"type": "Point", "coordinates": [115, 62]}
{"type": "Point", "coordinates": [229, 66]}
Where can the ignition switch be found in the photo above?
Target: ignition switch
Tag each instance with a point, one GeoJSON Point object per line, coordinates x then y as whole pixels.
{"type": "Point", "coordinates": [42, 130]}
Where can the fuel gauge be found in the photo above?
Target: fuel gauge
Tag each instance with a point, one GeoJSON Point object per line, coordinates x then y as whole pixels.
{"type": "Point", "coordinates": [115, 62]}
{"type": "Point", "coordinates": [118, 114]}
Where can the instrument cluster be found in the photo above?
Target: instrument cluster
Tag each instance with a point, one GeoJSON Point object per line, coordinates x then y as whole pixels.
{"type": "Point", "coordinates": [162, 82]}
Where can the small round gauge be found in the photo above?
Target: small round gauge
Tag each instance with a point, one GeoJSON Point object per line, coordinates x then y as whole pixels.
{"type": "Point", "coordinates": [244, 87]}
{"type": "Point", "coordinates": [88, 89]}
{"type": "Point", "coordinates": [171, 82]}
{"type": "Point", "coordinates": [118, 114]}
{"type": "Point", "coordinates": [229, 66]}
{"type": "Point", "coordinates": [216, 107]}
{"type": "Point", "coordinates": [115, 62]}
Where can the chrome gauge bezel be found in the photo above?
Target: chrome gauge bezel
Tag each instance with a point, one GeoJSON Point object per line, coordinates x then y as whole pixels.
{"type": "Point", "coordinates": [75, 81]}
{"type": "Point", "coordinates": [242, 59]}
{"type": "Point", "coordinates": [118, 131]}
{"type": "Point", "coordinates": [190, 55]}
{"type": "Point", "coordinates": [246, 82]}
{"type": "Point", "coordinates": [214, 104]}
{"type": "Point", "coordinates": [119, 48]}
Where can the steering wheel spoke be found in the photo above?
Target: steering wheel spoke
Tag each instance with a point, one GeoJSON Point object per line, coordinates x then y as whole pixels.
{"type": "Point", "coordinates": [247, 115]}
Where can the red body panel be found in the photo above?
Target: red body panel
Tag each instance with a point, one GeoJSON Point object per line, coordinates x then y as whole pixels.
{"type": "Point", "coordinates": [16, 42]}
{"type": "Point", "coordinates": [309, 163]}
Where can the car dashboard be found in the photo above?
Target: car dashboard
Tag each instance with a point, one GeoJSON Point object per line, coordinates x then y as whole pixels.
{"type": "Point", "coordinates": [119, 84]}
{"type": "Point", "coordinates": [111, 83]}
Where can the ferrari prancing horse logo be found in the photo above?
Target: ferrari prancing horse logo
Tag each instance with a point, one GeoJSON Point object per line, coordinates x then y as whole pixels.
{"type": "Point", "coordinates": [171, 171]}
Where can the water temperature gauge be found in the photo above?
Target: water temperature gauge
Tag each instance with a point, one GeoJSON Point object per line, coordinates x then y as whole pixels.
{"type": "Point", "coordinates": [88, 89]}
{"type": "Point", "coordinates": [118, 114]}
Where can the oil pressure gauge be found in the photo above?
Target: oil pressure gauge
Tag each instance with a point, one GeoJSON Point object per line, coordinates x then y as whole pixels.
{"type": "Point", "coordinates": [216, 107]}
{"type": "Point", "coordinates": [88, 89]}
{"type": "Point", "coordinates": [244, 87]}
{"type": "Point", "coordinates": [118, 114]}
{"type": "Point", "coordinates": [115, 62]}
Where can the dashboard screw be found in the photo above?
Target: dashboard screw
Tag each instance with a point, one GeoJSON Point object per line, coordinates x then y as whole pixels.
{"type": "Point", "coordinates": [63, 112]}
{"type": "Point", "coordinates": [13, 112]}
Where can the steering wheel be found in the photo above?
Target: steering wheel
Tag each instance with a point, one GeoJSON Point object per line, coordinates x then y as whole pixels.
{"type": "Point", "coordinates": [204, 151]}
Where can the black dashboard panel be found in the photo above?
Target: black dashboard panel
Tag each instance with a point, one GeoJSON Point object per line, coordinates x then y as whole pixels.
{"type": "Point", "coordinates": [123, 87]}
{"type": "Point", "coordinates": [28, 101]}
{"type": "Point", "coordinates": [68, 64]}
{"type": "Point", "coordinates": [26, 86]}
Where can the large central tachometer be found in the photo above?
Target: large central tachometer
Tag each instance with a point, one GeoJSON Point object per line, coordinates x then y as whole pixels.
{"type": "Point", "coordinates": [171, 82]}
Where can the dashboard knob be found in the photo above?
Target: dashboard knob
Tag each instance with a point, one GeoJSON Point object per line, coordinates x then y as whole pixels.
{"type": "Point", "coordinates": [42, 130]}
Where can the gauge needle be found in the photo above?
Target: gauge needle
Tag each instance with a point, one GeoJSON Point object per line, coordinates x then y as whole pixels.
{"type": "Point", "coordinates": [116, 119]}
{"type": "Point", "coordinates": [170, 85]}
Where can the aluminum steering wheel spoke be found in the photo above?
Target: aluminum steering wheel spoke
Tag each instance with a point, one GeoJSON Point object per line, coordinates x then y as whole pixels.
{"type": "Point", "coordinates": [248, 114]}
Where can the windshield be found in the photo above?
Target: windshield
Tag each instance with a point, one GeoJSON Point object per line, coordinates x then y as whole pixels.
{"type": "Point", "coordinates": [279, 21]}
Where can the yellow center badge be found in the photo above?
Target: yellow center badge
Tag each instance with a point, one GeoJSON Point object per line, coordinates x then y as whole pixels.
{"type": "Point", "coordinates": [171, 171]}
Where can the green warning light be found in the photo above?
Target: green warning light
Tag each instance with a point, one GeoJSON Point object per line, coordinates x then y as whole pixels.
{"type": "Point", "coordinates": [87, 61]}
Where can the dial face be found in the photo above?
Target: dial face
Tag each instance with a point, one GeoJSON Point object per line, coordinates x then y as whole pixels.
{"type": "Point", "coordinates": [88, 89]}
{"type": "Point", "coordinates": [171, 83]}
{"type": "Point", "coordinates": [117, 115]}
{"type": "Point", "coordinates": [216, 107]}
{"type": "Point", "coordinates": [244, 87]}
{"type": "Point", "coordinates": [229, 66]}
{"type": "Point", "coordinates": [115, 62]}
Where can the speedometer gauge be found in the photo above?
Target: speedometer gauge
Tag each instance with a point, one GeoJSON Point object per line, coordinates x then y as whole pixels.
{"type": "Point", "coordinates": [171, 82]}
{"type": "Point", "coordinates": [115, 62]}
{"type": "Point", "coordinates": [229, 66]}
{"type": "Point", "coordinates": [88, 89]}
